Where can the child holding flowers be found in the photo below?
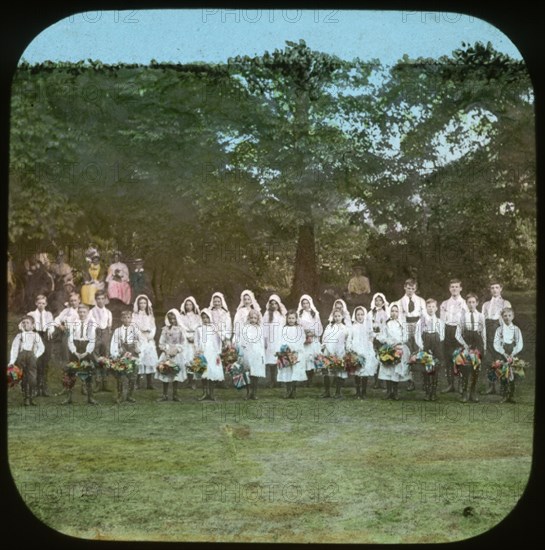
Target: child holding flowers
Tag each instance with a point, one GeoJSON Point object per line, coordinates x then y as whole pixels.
{"type": "Point", "coordinates": [360, 343]}
{"type": "Point", "coordinates": [145, 321]}
{"type": "Point", "coordinates": [208, 343]}
{"type": "Point", "coordinates": [26, 348]}
{"type": "Point", "coordinates": [190, 320]}
{"type": "Point", "coordinates": [334, 344]}
{"type": "Point", "coordinates": [173, 345]}
{"type": "Point", "coordinates": [429, 336]}
{"type": "Point", "coordinates": [378, 315]}
{"type": "Point", "coordinates": [508, 344]}
{"type": "Point", "coordinates": [471, 334]}
{"type": "Point", "coordinates": [274, 320]}
{"type": "Point", "coordinates": [292, 338]}
{"type": "Point", "coordinates": [395, 334]}
{"type": "Point", "coordinates": [250, 341]}
{"type": "Point", "coordinates": [126, 341]}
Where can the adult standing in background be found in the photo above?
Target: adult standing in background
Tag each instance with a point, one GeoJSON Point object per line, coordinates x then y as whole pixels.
{"type": "Point", "coordinates": [61, 271]}
{"type": "Point", "coordinates": [93, 280]}
{"type": "Point", "coordinates": [139, 280]}
{"type": "Point", "coordinates": [118, 280]}
{"type": "Point", "coordinates": [359, 288]}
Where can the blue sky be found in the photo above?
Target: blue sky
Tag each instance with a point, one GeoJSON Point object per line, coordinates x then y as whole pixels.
{"type": "Point", "coordinates": [213, 35]}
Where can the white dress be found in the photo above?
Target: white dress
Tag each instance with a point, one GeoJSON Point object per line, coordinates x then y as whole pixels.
{"type": "Point", "coordinates": [334, 341]}
{"type": "Point", "coordinates": [222, 320]}
{"type": "Point", "coordinates": [272, 332]}
{"type": "Point", "coordinates": [190, 321]}
{"type": "Point", "coordinates": [208, 340]}
{"type": "Point", "coordinates": [308, 322]}
{"type": "Point", "coordinates": [148, 352]}
{"type": "Point", "coordinates": [252, 349]}
{"type": "Point", "coordinates": [359, 341]}
{"type": "Point", "coordinates": [310, 351]}
{"type": "Point", "coordinates": [172, 343]}
{"type": "Point", "coordinates": [294, 337]}
{"type": "Point", "coordinates": [395, 334]}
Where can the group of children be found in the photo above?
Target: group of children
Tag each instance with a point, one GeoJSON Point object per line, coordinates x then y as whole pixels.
{"type": "Point", "coordinates": [411, 324]}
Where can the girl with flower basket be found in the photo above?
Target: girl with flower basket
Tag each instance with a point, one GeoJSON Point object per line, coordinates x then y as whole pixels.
{"type": "Point", "coordinates": [274, 320]}
{"type": "Point", "coordinates": [379, 313]}
{"type": "Point", "coordinates": [144, 319]}
{"type": "Point", "coordinates": [290, 362]}
{"type": "Point", "coordinates": [173, 345]}
{"type": "Point", "coordinates": [471, 333]}
{"type": "Point", "coordinates": [125, 352]}
{"type": "Point", "coordinates": [309, 318]}
{"type": "Point", "coordinates": [208, 343]}
{"type": "Point", "coordinates": [360, 344]}
{"type": "Point", "coordinates": [334, 345]}
{"type": "Point", "coordinates": [429, 335]}
{"type": "Point", "coordinates": [251, 345]}
{"type": "Point", "coordinates": [190, 320]}
{"type": "Point", "coordinates": [508, 343]}
{"type": "Point", "coordinates": [394, 354]}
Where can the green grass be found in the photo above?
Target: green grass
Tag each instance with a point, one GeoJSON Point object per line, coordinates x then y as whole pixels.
{"type": "Point", "coordinates": [308, 470]}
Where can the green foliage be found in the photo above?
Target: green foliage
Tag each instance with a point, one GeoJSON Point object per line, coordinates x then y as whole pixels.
{"type": "Point", "coordinates": [195, 166]}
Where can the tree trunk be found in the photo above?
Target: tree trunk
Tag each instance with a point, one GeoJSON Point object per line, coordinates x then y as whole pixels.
{"type": "Point", "coordinates": [305, 277]}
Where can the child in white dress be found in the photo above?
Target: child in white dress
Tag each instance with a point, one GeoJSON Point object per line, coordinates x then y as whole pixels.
{"type": "Point", "coordinates": [247, 304]}
{"type": "Point", "coordinates": [309, 318]}
{"type": "Point", "coordinates": [340, 305]}
{"type": "Point", "coordinates": [220, 317]}
{"type": "Point", "coordinates": [395, 334]}
{"type": "Point", "coordinates": [379, 313]}
{"type": "Point", "coordinates": [143, 318]}
{"type": "Point", "coordinates": [334, 343]}
{"type": "Point", "coordinates": [274, 320]}
{"type": "Point", "coordinates": [173, 344]}
{"type": "Point", "coordinates": [292, 336]}
{"type": "Point", "coordinates": [208, 343]}
{"type": "Point", "coordinates": [190, 320]}
{"type": "Point", "coordinates": [252, 350]}
{"type": "Point", "coordinates": [360, 342]}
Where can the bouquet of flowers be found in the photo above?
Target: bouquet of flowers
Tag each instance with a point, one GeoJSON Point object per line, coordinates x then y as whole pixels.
{"type": "Point", "coordinates": [198, 366]}
{"type": "Point", "coordinates": [461, 358]}
{"type": "Point", "coordinates": [336, 364]}
{"type": "Point", "coordinates": [124, 366]}
{"type": "Point", "coordinates": [103, 363]}
{"type": "Point", "coordinates": [505, 371]}
{"type": "Point", "coordinates": [82, 369]}
{"type": "Point", "coordinates": [353, 362]}
{"type": "Point", "coordinates": [229, 355]}
{"type": "Point", "coordinates": [390, 355]}
{"type": "Point", "coordinates": [321, 362]}
{"type": "Point", "coordinates": [239, 375]}
{"type": "Point", "coordinates": [286, 357]}
{"type": "Point", "coordinates": [168, 368]}
{"type": "Point", "coordinates": [15, 375]}
{"type": "Point", "coordinates": [425, 359]}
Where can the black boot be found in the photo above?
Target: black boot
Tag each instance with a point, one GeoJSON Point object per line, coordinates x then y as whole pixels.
{"type": "Point", "coordinates": [388, 390]}
{"type": "Point", "coordinates": [327, 386]}
{"type": "Point", "coordinates": [119, 391]}
{"type": "Point", "coordinates": [410, 386]}
{"type": "Point", "coordinates": [130, 391]}
{"type": "Point", "coordinates": [364, 387]}
{"type": "Point", "coordinates": [338, 384]}
{"type": "Point", "coordinates": [211, 387]}
{"type": "Point", "coordinates": [433, 394]}
{"type": "Point", "coordinates": [291, 394]}
{"type": "Point", "coordinates": [427, 387]}
{"type": "Point", "coordinates": [68, 400]}
{"type": "Point", "coordinates": [450, 380]}
{"type": "Point", "coordinates": [357, 382]}
{"type": "Point", "coordinates": [294, 390]}
{"type": "Point", "coordinates": [175, 391]}
{"type": "Point", "coordinates": [89, 384]}
{"type": "Point", "coordinates": [149, 383]}
{"type": "Point", "coordinates": [491, 388]}
{"type": "Point", "coordinates": [465, 380]}
{"type": "Point", "coordinates": [310, 375]}
{"type": "Point", "coordinates": [253, 382]}
{"type": "Point", "coordinates": [376, 384]}
{"type": "Point", "coordinates": [472, 388]}
{"type": "Point", "coordinates": [45, 389]}
{"type": "Point", "coordinates": [164, 397]}
{"type": "Point", "coordinates": [395, 396]}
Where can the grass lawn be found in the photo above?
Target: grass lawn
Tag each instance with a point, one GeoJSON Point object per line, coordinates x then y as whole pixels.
{"type": "Point", "coordinates": [308, 470]}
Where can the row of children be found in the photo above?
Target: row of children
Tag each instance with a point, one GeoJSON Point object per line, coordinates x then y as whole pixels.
{"type": "Point", "coordinates": [410, 323]}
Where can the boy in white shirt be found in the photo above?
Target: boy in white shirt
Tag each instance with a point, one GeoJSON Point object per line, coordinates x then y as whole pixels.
{"type": "Point", "coordinates": [451, 315]}
{"type": "Point", "coordinates": [508, 344]}
{"type": "Point", "coordinates": [26, 348]}
{"type": "Point", "coordinates": [101, 317]}
{"type": "Point", "coordinates": [43, 321]}
{"type": "Point", "coordinates": [492, 315]}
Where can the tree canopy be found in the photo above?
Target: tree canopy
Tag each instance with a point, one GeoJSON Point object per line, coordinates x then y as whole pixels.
{"type": "Point", "coordinates": [254, 172]}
